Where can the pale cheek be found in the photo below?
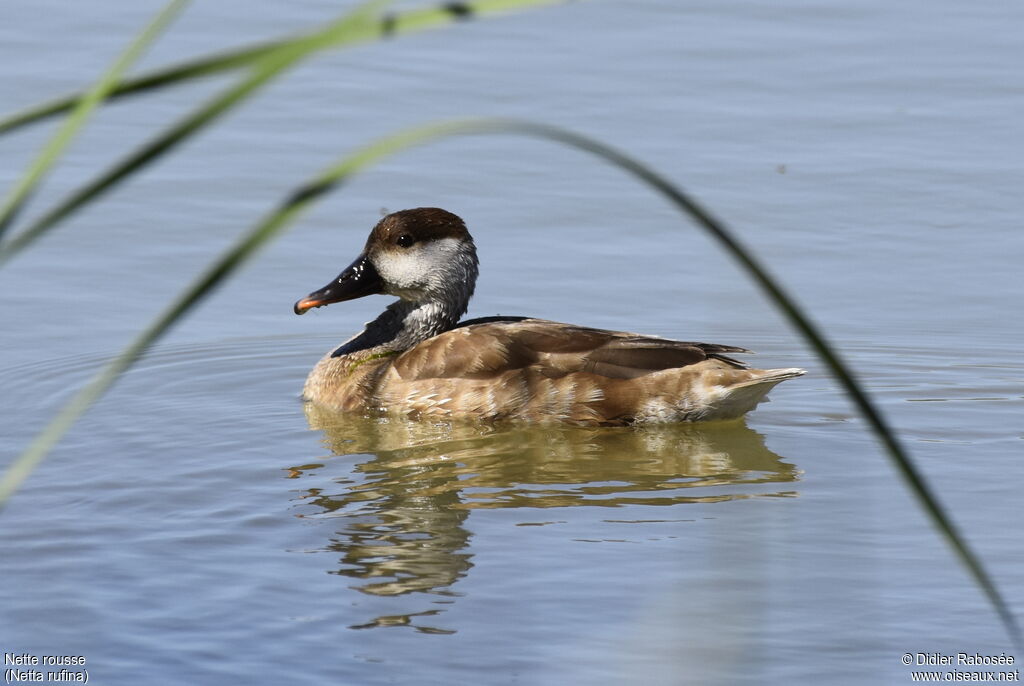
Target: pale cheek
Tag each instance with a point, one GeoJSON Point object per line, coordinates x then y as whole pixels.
{"type": "Point", "coordinates": [414, 268]}
{"type": "Point", "coordinates": [401, 271]}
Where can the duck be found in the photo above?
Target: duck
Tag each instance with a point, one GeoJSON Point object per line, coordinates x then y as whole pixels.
{"type": "Point", "coordinates": [418, 360]}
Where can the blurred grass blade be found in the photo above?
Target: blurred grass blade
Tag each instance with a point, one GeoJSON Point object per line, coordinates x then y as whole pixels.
{"type": "Point", "coordinates": [267, 67]}
{"type": "Point", "coordinates": [186, 71]}
{"type": "Point", "coordinates": [334, 176]}
{"type": "Point", "coordinates": [83, 109]}
{"type": "Point", "coordinates": [398, 24]}
{"type": "Point", "coordinates": [361, 25]}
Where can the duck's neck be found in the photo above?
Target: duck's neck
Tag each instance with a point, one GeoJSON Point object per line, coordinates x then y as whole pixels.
{"type": "Point", "coordinates": [402, 325]}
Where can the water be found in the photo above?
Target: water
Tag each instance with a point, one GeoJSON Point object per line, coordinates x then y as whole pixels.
{"type": "Point", "coordinates": [199, 526]}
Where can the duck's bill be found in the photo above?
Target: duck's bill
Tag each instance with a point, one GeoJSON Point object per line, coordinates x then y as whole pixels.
{"type": "Point", "coordinates": [358, 280]}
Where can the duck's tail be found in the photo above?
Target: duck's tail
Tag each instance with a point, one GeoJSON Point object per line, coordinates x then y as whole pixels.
{"type": "Point", "coordinates": [742, 397]}
{"type": "Point", "coordinates": [767, 378]}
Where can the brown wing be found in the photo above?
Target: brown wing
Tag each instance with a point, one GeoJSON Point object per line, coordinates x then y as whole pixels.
{"type": "Point", "coordinates": [490, 348]}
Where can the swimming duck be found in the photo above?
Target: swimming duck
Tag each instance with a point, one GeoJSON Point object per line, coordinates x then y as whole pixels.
{"type": "Point", "coordinates": [417, 359]}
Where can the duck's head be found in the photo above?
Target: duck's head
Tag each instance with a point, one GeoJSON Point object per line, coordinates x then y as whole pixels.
{"type": "Point", "coordinates": [420, 255]}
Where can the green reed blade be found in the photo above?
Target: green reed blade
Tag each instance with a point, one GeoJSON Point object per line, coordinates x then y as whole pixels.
{"type": "Point", "coordinates": [267, 67]}
{"type": "Point", "coordinates": [82, 111]}
{"type": "Point", "coordinates": [359, 26]}
{"type": "Point", "coordinates": [400, 23]}
{"type": "Point", "coordinates": [337, 174]}
{"type": "Point", "coordinates": [185, 71]}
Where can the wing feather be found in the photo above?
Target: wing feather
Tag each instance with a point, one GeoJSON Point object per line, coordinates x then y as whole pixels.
{"type": "Point", "coordinates": [494, 346]}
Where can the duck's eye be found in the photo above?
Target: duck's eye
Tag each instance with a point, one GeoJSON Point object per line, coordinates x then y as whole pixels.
{"type": "Point", "coordinates": [405, 240]}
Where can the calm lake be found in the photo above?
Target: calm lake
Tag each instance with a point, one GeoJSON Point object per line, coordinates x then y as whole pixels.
{"type": "Point", "coordinates": [199, 525]}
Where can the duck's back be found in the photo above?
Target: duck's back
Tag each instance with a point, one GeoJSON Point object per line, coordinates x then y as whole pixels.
{"type": "Point", "coordinates": [540, 370]}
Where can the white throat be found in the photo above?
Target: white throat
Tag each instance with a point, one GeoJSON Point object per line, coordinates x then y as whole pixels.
{"type": "Point", "coordinates": [434, 282]}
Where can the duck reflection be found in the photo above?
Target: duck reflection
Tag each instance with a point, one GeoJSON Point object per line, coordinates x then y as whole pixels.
{"type": "Point", "coordinates": [403, 506]}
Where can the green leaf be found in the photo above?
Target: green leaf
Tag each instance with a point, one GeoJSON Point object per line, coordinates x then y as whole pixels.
{"type": "Point", "coordinates": [168, 76]}
{"type": "Point", "coordinates": [398, 24]}
{"type": "Point", "coordinates": [81, 112]}
{"type": "Point", "coordinates": [361, 25]}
